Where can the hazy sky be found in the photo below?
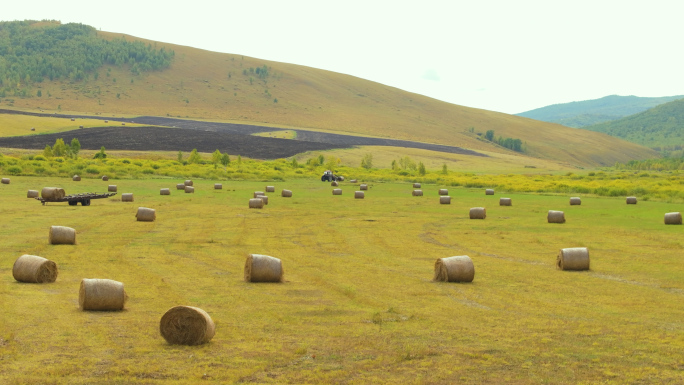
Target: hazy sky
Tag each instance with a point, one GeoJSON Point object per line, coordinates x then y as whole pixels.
{"type": "Point", "coordinates": [509, 55]}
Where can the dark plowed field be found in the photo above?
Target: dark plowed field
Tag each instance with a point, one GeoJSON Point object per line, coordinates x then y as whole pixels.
{"type": "Point", "coordinates": [185, 135]}
{"type": "Point", "coordinates": [171, 139]}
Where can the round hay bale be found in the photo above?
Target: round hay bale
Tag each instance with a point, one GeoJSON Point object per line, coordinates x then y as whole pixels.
{"type": "Point", "coordinates": [340, 178]}
{"type": "Point", "coordinates": [556, 217]}
{"type": "Point", "coordinates": [270, 189]}
{"type": "Point", "coordinates": [286, 194]}
{"type": "Point", "coordinates": [263, 268]}
{"type": "Point", "coordinates": [575, 201]}
{"type": "Point", "coordinates": [80, 126]}
{"type": "Point", "coordinates": [478, 213]}
{"type": "Point", "coordinates": [673, 218]}
{"type": "Point", "coordinates": [180, 186]}
{"type": "Point", "coordinates": [187, 325]}
{"type": "Point", "coordinates": [61, 235]}
{"type": "Point", "coordinates": [358, 195]}
{"type": "Point", "coordinates": [32, 194]}
{"type": "Point", "coordinates": [454, 269]}
{"type": "Point", "coordinates": [188, 182]}
{"type": "Point", "coordinates": [489, 191]}
{"type": "Point", "coordinates": [337, 191]}
{"type": "Point", "coordinates": [72, 119]}
{"type": "Point", "coordinates": [164, 191]}
{"type": "Point", "coordinates": [416, 185]}
{"type": "Point", "coordinates": [146, 215]}
{"type": "Point", "coordinates": [417, 193]}
{"type": "Point", "coordinates": [34, 269]}
{"type": "Point", "coordinates": [353, 181]}
{"type": "Point", "coordinates": [106, 121]}
{"type": "Point", "coordinates": [263, 198]}
{"type": "Point", "coordinates": [574, 258]}
{"type": "Point", "coordinates": [218, 186]}
{"type": "Point", "coordinates": [76, 178]}
{"type": "Point", "coordinates": [111, 188]}
{"type": "Point", "coordinates": [363, 187]}
{"type": "Point", "coordinates": [505, 202]}
{"type": "Point", "coordinates": [334, 184]}
{"type": "Point", "coordinates": [5, 180]}
{"type": "Point", "coordinates": [443, 191]}
{"type": "Point", "coordinates": [256, 203]}
{"type": "Point", "coordinates": [105, 178]}
{"type": "Point", "coordinates": [257, 193]}
{"type": "Point", "coordinates": [189, 189]}
{"type": "Point", "coordinates": [128, 197]}
{"type": "Point", "coordinates": [445, 200]}
{"type": "Point", "coordinates": [33, 128]}
{"type": "Point", "coordinates": [631, 200]}
{"type": "Point", "coordinates": [52, 193]}
{"type": "Point", "coordinates": [101, 294]}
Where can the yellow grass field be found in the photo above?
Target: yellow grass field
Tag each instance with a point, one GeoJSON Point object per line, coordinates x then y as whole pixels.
{"type": "Point", "coordinates": [358, 304]}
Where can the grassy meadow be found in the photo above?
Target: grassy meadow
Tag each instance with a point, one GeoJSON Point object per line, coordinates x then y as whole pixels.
{"type": "Point", "coordinates": [358, 304]}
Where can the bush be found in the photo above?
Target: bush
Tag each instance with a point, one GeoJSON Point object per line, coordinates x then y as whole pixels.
{"type": "Point", "coordinates": [14, 170]}
{"type": "Point", "coordinates": [40, 158]}
{"type": "Point", "coordinates": [92, 170]}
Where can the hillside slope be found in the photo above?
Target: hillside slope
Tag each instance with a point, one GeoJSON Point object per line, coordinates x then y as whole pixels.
{"type": "Point", "coordinates": [589, 112]}
{"type": "Point", "coordinates": [661, 127]}
{"type": "Point", "coordinates": [208, 85]}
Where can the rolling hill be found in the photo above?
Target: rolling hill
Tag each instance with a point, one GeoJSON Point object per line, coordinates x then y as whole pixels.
{"type": "Point", "coordinates": [200, 84]}
{"type": "Point", "coordinates": [661, 127]}
{"type": "Point", "coordinates": [590, 112]}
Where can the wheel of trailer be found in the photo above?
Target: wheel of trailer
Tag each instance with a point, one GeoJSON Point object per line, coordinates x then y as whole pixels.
{"type": "Point", "coordinates": [85, 202]}
{"type": "Point", "coordinates": [73, 203]}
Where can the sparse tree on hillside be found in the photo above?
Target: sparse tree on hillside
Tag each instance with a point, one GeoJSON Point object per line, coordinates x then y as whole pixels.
{"type": "Point", "coordinates": [444, 169]}
{"type": "Point", "coordinates": [101, 154]}
{"type": "Point", "coordinates": [216, 158]}
{"type": "Point", "coordinates": [489, 135]}
{"type": "Point", "coordinates": [180, 157]}
{"type": "Point", "coordinates": [421, 168]}
{"type": "Point", "coordinates": [225, 160]}
{"type": "Point", "coordinates": [194, 157]}
{"type": "Point", "coordinates": [75, 148]}
{"type": "Point", "coordinates": [367, 161]}
{"type": "Point", "coordinates": [47, 152]}
{"type": "Point", "coordinates": [59, 149]}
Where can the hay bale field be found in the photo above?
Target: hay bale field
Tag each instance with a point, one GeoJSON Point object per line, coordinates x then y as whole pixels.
{"type": "Point", "coordinates": [417, 193]}
{"type": "Point", "coordinates": [164, 191]}
{"type": "Point", "coordinates": [34, 269]}
{"type": "Point", "coordinates": [76, 178]}
{"type": "Point", "coordinates": [574, 258]}
{"type": "Point", "coordinates": [334, 184]}
{"type": "Point", "coordinates": [32, 194]}
{"type": "Point", "coordinates": [358, 304]}
{"type": "Point", "coordinates": [505, 202]}
{"type": "Point", "coordinates": [101, 294]}
{"type": "Point", "coordinates": [264, 198]}
{"type": "Point", "coordinates": [443, 191]}
{"type": "Point", "coordinates": [105, 178]}
{"type": "Point", "coordinates": [180, 186]}
{"type": "Point", "coordinates": [62, 235]}
{"type": "Point", "coordinates": [416, 185]}
{"type": "Point", "coordinates": [673, 218]}
{"type": "Point", "coordinates": [218, 186]}
{"type": "Point", "coordinates": [127, 197]}
{"type": "Point", "coordinates": [363, 186]}
{"type": "Point", "coordinates": [112, 188]}
{"type": "Point", "coordinates": [189, 189]}
{"type": "Point", "coordinates": [489, 191]}
{"type": "Point", "coordinates": [270, 189]}
{"type": "Point", "coordinates": [187, 325]}
{"type": "Point", "coordinates": [359, 195]}
{"type": "Point", "coordinates": [555, 216]}
{"type": "Point", "coordinates": [188, 182]}
{"type": "Point", "coordinates": [575, 201]}
{"type": "Point", "coordinates": [5, 180]}
{"type": "Point", "coordinates": [263, 268]}
{"type": "Point", "coordinates": [631, 200]}
{"type": "Point", "coordinates": [258, 193]}
{"type": "Point", "coordinates": [459, 268]}
{"type": "Point", "coordinates": [337, 191]}
{"type": "Point", "coordinates": [478, 213]}
{"type": "Point", "coordinates": [286, 194]}
{"type": "Point", "coordinates": [445, 200]}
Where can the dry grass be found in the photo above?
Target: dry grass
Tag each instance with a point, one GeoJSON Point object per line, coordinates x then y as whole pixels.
{"type": "Point", "coordinates": [210, 85]}
{"type": "Point", "coordinates": [359, 305]}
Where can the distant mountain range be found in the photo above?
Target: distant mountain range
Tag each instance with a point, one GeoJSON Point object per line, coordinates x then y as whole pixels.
{"type": "Point", "coordinates": [661, 127]}
{"type": "Point", "coordinates": [590, 112]}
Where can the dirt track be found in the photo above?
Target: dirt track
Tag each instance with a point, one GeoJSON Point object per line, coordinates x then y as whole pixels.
{"type": "Point", "coordinates": [184, 135]}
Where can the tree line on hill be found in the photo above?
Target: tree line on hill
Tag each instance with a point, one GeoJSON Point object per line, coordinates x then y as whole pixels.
{"type": "Point", "coordinates": [509, 143]}
{"type": "Point", "coordinates": [32, 51]}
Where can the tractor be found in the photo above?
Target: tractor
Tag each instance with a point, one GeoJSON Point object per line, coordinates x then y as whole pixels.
{"type": "Point", "coordinates": [328, 176]}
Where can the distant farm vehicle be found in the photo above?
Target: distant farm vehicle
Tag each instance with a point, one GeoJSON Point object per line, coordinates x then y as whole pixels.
{"type": "Point", "coordinates": [73, 199]}
{"type": "Point", "coordinates": [328, 176]}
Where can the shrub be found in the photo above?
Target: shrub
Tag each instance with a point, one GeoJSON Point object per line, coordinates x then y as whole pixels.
{"type": "Point", "coordinates": [92, 170]}
{"type": "Point", "coordinates": [14, 170]}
